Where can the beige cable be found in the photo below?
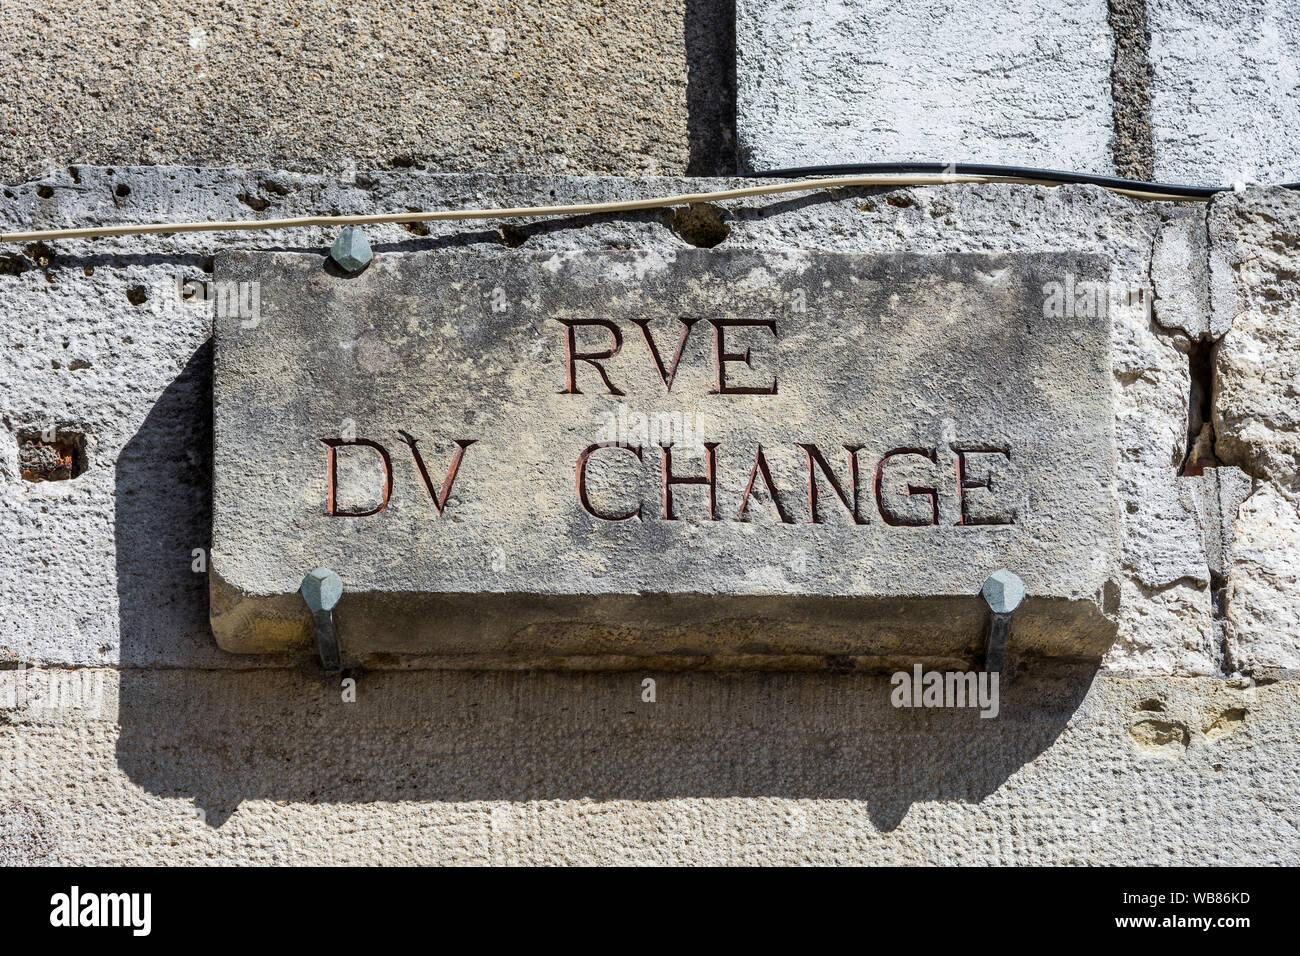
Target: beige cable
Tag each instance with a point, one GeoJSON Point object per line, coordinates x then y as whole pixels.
{"type": "Point", "coordinates": [530, 212]}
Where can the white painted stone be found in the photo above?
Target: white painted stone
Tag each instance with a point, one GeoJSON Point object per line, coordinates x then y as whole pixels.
{"type": "Point", "coordinates": [840, 81]}
{"type": "Point", "coordinates": [1225, 90]}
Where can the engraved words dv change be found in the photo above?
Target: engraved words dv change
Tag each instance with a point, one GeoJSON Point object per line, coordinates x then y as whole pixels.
{"type": "Point", "coordinates": [975, 463]}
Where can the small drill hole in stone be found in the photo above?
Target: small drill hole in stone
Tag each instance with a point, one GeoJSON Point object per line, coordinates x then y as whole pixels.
{"type": "Point", "coordinates": [701, 224]}
{"type": "Point", "coordinates": [45, 192]}
{"type": "Point", "coordinates": [122, 191]}
{"type": "Point", "coordinates": [41, 254]}
{"type": "Point", "coordinates": [137, 295]}
{"type": "Point", "coordinates": [513, 236]}
{"type": "Point", "coordinates": [59, 459]}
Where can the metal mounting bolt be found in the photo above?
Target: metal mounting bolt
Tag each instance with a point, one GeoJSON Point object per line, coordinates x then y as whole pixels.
{"type": "Point", "coordinates": [351, 249]}
{"type": "Point", "coordinates": [321, 589]}
{"type": "Point", "coordinates": [1002, 591]}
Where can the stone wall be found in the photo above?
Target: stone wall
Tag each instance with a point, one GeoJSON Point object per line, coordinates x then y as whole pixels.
{"type": "Point", "coordinates": [1188, 91]}
{"type": "Point", "coordinates": [126, 735]}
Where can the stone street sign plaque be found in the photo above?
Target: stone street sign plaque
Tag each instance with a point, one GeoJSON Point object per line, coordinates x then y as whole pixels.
{"type": "Point", "coordinates": [604, 459]}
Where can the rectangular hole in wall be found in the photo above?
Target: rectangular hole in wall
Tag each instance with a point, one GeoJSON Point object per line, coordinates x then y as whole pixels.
{"type": "Point", "coordinates": [1200, 410]}
{"type": "Point", "coordinates": [46, 457]}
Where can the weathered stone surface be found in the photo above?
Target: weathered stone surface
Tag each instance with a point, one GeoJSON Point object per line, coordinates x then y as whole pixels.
{"type": "Point", "coordinates": [1217, 495]}
{"type": "Point", "coordinates": [1224, 83]}
{"type": "Point", "coordinates": [1257, 364]}
{"type": "Point", "coordinates": [1263, 596]}
{"type": "Point", "coordinates": [1255, 245]}
{"type": "Point", "coordinates": [828, 81]}
{"type": "Point", "coordinates": [1179, 251]}
{"type": "Point", "coordinates": [193, 766]}
{"type": "Point", "coordinates": [430, 431]}
{"type": "Point", "coordinates": [584, 86]}
{"type": "Point", "coordinates": [102, 568]}
{"type": "Point", "coordinates": [212, 756]}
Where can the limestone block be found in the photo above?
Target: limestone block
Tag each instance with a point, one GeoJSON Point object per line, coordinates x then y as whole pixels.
{"type": "Point", "coordinates": [696, 455]}
{"type": "Point", "coordinates": [1225, 90]}
{"type": "Point", "coordinates": [842, 81]}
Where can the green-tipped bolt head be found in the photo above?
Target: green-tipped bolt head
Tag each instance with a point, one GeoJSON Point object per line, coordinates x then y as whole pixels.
{"type": "Point", "coordinates": [321, 589]}
{"type": "Point", "coordinates": [351, 249]}
{"type": "Point", "coordinates": [1003, 591]}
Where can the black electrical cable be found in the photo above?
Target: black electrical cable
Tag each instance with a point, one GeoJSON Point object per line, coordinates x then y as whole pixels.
{"type": "Point", "coordinates": [992, 169]}
{"type": "Point", "coordinates": [804, 178]}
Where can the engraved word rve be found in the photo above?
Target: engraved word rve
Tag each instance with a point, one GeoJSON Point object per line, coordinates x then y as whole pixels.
{"type": "Point", "coordinates": [900, 485]}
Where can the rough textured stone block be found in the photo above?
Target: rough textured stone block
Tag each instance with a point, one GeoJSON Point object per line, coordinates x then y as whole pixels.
{"type": "Point", "coordinates": [266, 766]}
{"type": "Point", "coordinates": [593, 87]}
{"type": "Point", "coordinates": [1257, 418]}
{"type": "Point", "coordinates": [1225, 90]}
{"type": "Point", "coordinates": [862, 439]}
{"type": "Point", "coordinates": [1262, 606]}
{"type": "Point", "coordinates": [829, 81]}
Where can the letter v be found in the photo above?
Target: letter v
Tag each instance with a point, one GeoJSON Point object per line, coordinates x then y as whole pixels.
{"type": "Point", "coordinates": [439, 500]}
{"type": "Point", "coordinates": [671, 372]}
